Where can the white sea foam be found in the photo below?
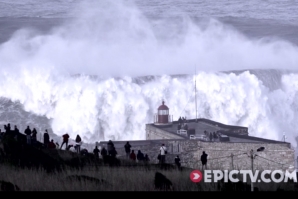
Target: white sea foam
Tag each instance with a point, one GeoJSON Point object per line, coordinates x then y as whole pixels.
{"type": "Point", "coordinates": [116, 43]}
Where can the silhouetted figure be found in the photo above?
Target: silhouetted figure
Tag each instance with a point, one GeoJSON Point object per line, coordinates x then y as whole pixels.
{"type": "Point", "coordinates": [110, 147]}
{"type": "Point", "coordinates": [114, 152]}
{"type": "Point", "coordinates": [16, 129]}
{"type": "Point", "coordinates": [16, 132]}
{"type": "Point", "coordinates": [112, 156]}
{"type": "Point", "coordinates": [52, 145]}
{"type": "Point", "coordinates": [132, 155]}
{"type": "Point", "coordinates": [8, 128]}
{"type": "Point", "coordinates": [5, 128]}
{"type": "Point", "coordinates": [127, 147]}
{"type": "Point", "coordinates": [28, 134]}
{"type": "Point", "coordinates": [146, 158]}
{"type": "Point", "coordinates": [96, 152]}
{"type": "Point", "coordinates": [104, 154]}
{"type": "Point", "coordinates": [140, 156]}
{"type": "Point", "coordinates": [78, 144]}
{"type": "Point", "coordinates": [177, 162]}
{"type": "Point", "coordinates": [204, 160]}
{"type": "Point", "coordinates": [33, 136]}
{"type": "Point", "coordinates": [210, 136]}
{"type": "Point", "coordinates": [46, 139]}
{"type": "Point", "coordinates": [65, 140]}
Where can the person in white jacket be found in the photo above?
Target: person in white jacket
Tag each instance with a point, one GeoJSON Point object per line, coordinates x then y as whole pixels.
{"type": "Point", "coordinates": [163, 151]}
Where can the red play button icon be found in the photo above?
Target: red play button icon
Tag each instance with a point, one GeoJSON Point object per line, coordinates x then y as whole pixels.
{"type": "Point", "coordinates": [196, 176]}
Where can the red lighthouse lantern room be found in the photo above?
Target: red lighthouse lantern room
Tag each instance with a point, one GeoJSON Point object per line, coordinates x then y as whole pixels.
{"type": "Point", "coordinates": [163, 116]}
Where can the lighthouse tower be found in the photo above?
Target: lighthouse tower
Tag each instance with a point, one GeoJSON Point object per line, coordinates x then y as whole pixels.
{"type": "Point", "coordinates": [162, 117]}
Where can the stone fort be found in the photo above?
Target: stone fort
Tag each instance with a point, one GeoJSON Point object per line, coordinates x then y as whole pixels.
{"type": "Point", "coordinates": [228, 147]}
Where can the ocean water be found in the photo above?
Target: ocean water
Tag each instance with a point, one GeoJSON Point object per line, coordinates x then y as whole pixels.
{"type": "Point", "coordinates": [101, 68]}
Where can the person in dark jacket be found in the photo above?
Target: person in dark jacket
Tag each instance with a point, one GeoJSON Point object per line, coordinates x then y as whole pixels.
{"type": "Point", "coordinates": [28, 134]}
{"type": "Point", "coordinates": [113, 153]}
{"type": "Point", "coordinates": [127, 147]}
{"type": "Point", "coordinates": [140, 156]}
{"type": "Point", "coordinates": [96, 152]}
{"type": "Point", "coordinates": [33, 136]}
{"type": "Point", "coordinates": [146, 158]}
{"type": "Point", "coordinates": [204, 160]}
{"type": "Point", "coordinates": [112, 156]}
{"type": "Point", "coordinates": [16, 132]}
{"type": "Point", "coordinates": [65, 140]}
{"type": "Point", "coordinates": [110, 147]}
{"type": "Point", "coordinates": [8, 128]}
{"type": "Point", "coordinates": [104, 154]}
{"type": "Point", "coordinates": [177, 162]}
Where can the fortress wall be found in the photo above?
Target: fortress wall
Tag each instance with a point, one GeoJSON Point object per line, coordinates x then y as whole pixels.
{"type": "Point", "coordinates": [275, 155]}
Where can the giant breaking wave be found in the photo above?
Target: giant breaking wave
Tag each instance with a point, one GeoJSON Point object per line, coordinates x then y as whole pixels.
{"type": "Point", "coordinates": [103, 74]}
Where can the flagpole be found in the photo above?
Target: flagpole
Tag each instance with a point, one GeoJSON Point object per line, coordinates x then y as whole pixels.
{"type": "Point", "coordinates": [196, 95]}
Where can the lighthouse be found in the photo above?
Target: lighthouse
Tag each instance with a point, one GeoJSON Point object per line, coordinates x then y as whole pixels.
{"type": "Point", "coordinates": [163, 117]}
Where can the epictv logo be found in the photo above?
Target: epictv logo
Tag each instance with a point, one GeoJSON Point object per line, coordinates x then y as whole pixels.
{"type": "Point", "coordinates": [265, 176]}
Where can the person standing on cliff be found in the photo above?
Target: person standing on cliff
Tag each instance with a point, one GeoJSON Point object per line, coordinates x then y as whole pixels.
{"type": "Point", "coordinates": [110, 146]}
{"type": "Point", "coordinates": [65, 140]}
{"type": "Point", "coordinates": [177, 162]}
{"type": "Point", "coordinates": [127, 147]}
{"type": "Point", "coordinates": [28, 134]}
{"type": "Point", "coordinates": [96, 152]}
{"type": "Point", "coordinates": [204, 160]}
{"type": "Point", "coordinates": [46, 139]}
{"type": "Point", "coordinates": [78, 144]}
{"type": "Point", "coordinates": [33, 136]}
{"type": "Point", "coordinates": [163, 152]}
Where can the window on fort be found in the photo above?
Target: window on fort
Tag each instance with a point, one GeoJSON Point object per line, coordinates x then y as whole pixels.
{"type": "Point", "coordinates": [175, 148]}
